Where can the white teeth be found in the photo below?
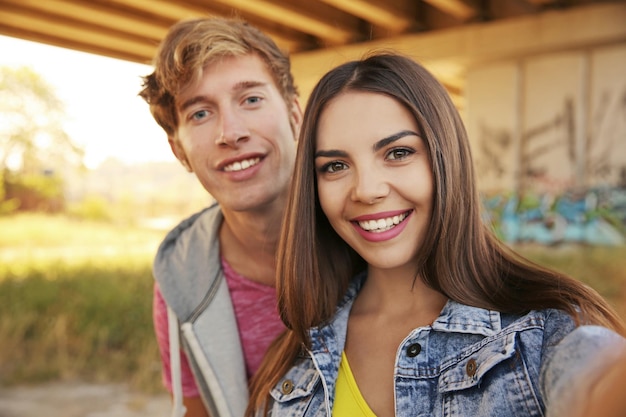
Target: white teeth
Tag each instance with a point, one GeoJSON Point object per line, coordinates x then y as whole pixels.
{"type": "Point", "coordinates": [238, 166]}
{"type": "Point", "coordinates": [381, 225]}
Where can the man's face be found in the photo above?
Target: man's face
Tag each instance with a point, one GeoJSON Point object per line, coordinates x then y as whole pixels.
{"type": "Point", "coordinates": [237, 134]}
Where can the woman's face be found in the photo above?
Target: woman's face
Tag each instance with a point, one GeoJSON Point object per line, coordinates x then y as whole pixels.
{"type": "Point", "coordinates": [374, 178]}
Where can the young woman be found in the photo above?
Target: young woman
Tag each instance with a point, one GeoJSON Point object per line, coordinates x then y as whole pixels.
{"type": "Point", "coordinates": [399, 300]}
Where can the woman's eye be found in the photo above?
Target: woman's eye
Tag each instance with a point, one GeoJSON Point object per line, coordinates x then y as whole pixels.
{"type": "Point", "coordinates": [399, 153]}
{"type": "Point", "coordinates": [334, 166]}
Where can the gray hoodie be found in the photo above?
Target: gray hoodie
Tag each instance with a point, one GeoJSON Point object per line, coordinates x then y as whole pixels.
{"type": "Point", "coordinates": [188, 270]}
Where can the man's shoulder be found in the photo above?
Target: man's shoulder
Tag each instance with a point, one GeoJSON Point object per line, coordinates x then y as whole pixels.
{"type": "Point", "coordinates": [187, 262]}
{"type": "Point", "coordinates": [196, 233]}
{"type": "Point", "coordinates": [201, 219]}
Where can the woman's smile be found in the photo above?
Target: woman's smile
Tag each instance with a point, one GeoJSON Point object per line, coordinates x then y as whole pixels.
{"type": "Point", "coordinates": [382, 228]}
{"type": "Point", "coordinates": [374, 177]}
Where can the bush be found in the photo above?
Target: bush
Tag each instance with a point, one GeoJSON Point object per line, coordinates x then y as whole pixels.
{"type": "Point", "coordinates": [75, 302]}
{"type": "Point", "coordinates": [93, 207]}
{"type": "Point", "coordinates": [90, 321]}
{"type": "Point", "coordinates": [35, 192]}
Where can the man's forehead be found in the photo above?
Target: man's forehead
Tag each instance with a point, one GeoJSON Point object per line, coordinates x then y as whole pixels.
{"type": "Point", "coordinates": [232, 76]}
{"type": "Point", "coordinates": [250, 63]}
{"type": "Point", "coordinates": [232, 72]}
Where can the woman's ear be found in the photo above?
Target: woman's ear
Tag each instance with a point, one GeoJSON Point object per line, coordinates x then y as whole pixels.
{"type": "Point", "coordinates": [179, 152]}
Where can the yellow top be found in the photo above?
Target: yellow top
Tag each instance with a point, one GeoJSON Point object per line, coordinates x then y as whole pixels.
{"type": "Point", "coordinates": [348, 399]}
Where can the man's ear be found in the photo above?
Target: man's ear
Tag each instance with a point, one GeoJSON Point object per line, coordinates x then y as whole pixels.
{"type": "Point", "coordinates": [179, 153]}
{"type": "Point", "coordinates": [295, 117]}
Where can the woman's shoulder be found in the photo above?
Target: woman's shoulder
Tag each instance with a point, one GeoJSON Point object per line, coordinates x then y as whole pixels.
{"type": "Point", "coordinates": [560, 328]}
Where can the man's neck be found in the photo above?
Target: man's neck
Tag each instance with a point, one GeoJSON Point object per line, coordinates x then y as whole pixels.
{"type": "Point", "coordinates": [248, 242]}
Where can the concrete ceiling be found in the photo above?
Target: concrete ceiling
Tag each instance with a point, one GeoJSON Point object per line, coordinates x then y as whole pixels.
{"type": "Point", "coordinates": [131, 29]}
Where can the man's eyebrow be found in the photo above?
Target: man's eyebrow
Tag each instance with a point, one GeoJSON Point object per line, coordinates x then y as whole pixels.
{"type": "Point", "coordinates": [190, 102]}
{"type": "Point", "coordinates": [240, 86]}
{"type": "Point", "coordinates": [244, 85]}
{"type": "Point", "coordinates": [390, 139]}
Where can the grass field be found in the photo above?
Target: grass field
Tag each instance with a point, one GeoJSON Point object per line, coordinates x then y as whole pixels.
{"type": "Point", "coordinates": [75, 298]}
{"type": "Point", "coordinates": [602, 268]}
{"type": "Point", "coordinates": [75, 302]}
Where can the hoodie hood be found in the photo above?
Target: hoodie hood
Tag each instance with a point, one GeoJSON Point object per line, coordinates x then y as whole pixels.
{"type": "Point", "coordinates": [185, 257]}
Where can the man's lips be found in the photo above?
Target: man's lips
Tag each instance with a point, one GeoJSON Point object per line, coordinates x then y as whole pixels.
{"type": "Point", "coordinates": [241, 165]}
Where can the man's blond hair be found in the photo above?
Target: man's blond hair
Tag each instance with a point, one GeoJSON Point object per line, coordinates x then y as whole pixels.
{"type": "Point", "coordinates": [191, 45]}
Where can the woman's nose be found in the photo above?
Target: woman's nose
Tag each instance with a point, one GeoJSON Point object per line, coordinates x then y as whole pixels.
{"type": "Point", "coordinates": [369, 186]}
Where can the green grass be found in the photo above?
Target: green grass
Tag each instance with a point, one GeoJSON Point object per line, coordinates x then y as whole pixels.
{"type": "Point", "coordinates": [76, 297]}
{"type": "Point", "coordinates": [602, 268]}
{"type": "Point", "coordinates": [75, 302]}
{"type": "Point", "coordinates": [34, 236]}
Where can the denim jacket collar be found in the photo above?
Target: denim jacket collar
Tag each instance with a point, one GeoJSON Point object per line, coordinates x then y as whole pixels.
{"type": "Point", "coordinates": [454, 318]}
{"type": "Point", "coordinates": [471, 361]}
{"type": "Point", "coordinates": [461, 318]}
{"type": "Point", "coordinates": [328, 341]}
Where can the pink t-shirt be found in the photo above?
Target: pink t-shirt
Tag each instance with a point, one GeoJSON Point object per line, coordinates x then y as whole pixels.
{"type": "Point", "coordinates": [257, 320]}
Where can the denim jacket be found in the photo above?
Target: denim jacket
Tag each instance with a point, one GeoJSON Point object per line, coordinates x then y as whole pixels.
{"type": "Point", "coordinates": [469, 362]}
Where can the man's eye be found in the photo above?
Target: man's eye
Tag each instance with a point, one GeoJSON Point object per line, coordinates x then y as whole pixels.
{"type": "Point", "coordinates": [199, 115]}
{"type": "Point", "coordinates": [253, 100]}
{"type": "Point", "coordinates": [399, 153]}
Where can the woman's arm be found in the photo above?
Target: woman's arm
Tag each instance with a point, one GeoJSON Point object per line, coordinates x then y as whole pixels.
{"type": "Point", "coordinates": [608, 395]}
{"type": "Point", "coordinates": [585, 374]}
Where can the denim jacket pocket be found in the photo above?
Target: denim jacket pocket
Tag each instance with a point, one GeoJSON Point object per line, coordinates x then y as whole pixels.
{"type": "Point", "coordinates": [298, 383]}
{"type": "Point", "coordinates": [471, 365]}
{"type": "Point", "coordinates": [298, 393]}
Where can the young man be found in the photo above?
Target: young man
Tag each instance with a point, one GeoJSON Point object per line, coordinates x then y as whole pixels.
{"type": "Point", "coordinates": [224, 94]}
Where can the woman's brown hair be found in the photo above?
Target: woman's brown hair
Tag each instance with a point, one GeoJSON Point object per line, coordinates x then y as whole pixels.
{"type": "Point", "coordinates": [461, 257]}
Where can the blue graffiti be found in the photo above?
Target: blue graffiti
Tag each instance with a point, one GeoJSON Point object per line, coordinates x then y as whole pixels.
{"type": "Point", "coordinates": [596, 216]}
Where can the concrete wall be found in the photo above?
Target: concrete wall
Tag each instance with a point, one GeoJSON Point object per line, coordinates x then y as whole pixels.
{"type": "Point", "coordinates": [551, 122]}
{"type": "Point", "coordinates": [544, 101]}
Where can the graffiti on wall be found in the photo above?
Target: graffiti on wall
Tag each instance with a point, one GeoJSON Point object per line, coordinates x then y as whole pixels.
{"type": "Point", "coordinates": [549, 140]}
{"type": "Point", "coordinates": [547, 157]}
{"type": "Point", "coordinates": [546, 143]}
{"type": "Point", "coordinates": [492, 145]}
{"type": "Point", "coordinates": [595, 216]}
{"type": "Point", "coordinates": [609, 123]}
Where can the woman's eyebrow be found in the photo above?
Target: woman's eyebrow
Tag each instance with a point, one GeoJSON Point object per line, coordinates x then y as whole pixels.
{"type": "Point", "coordinates": [331, 153]}
{"type": "Point", "coordinates": [390, 139]}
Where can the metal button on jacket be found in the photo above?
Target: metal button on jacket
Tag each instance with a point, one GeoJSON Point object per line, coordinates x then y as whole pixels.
{"type": "Point", "coordinates": [471, 367]}
{"type": "Point", "coordinates": [287, 386]}
{"type": "Point", "coordinates": [413, 350]}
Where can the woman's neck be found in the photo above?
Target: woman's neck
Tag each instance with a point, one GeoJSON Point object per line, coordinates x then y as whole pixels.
{"type": "Point", "coordinates": [399, 293]}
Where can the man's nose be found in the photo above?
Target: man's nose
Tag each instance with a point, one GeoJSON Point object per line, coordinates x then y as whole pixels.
{"type": "Point", "coordinates": [233, 129]}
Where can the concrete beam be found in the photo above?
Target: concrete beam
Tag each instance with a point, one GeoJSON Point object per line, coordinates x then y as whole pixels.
{"type": "Point", "coordinates": [450, 53]}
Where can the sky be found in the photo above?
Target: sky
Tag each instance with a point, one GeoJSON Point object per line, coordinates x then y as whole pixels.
{"type": "Point", "coordinates": [104, 113]}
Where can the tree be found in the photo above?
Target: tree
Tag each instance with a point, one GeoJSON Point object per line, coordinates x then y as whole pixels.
{"type": "Point", "coordinates": [35, 150]}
